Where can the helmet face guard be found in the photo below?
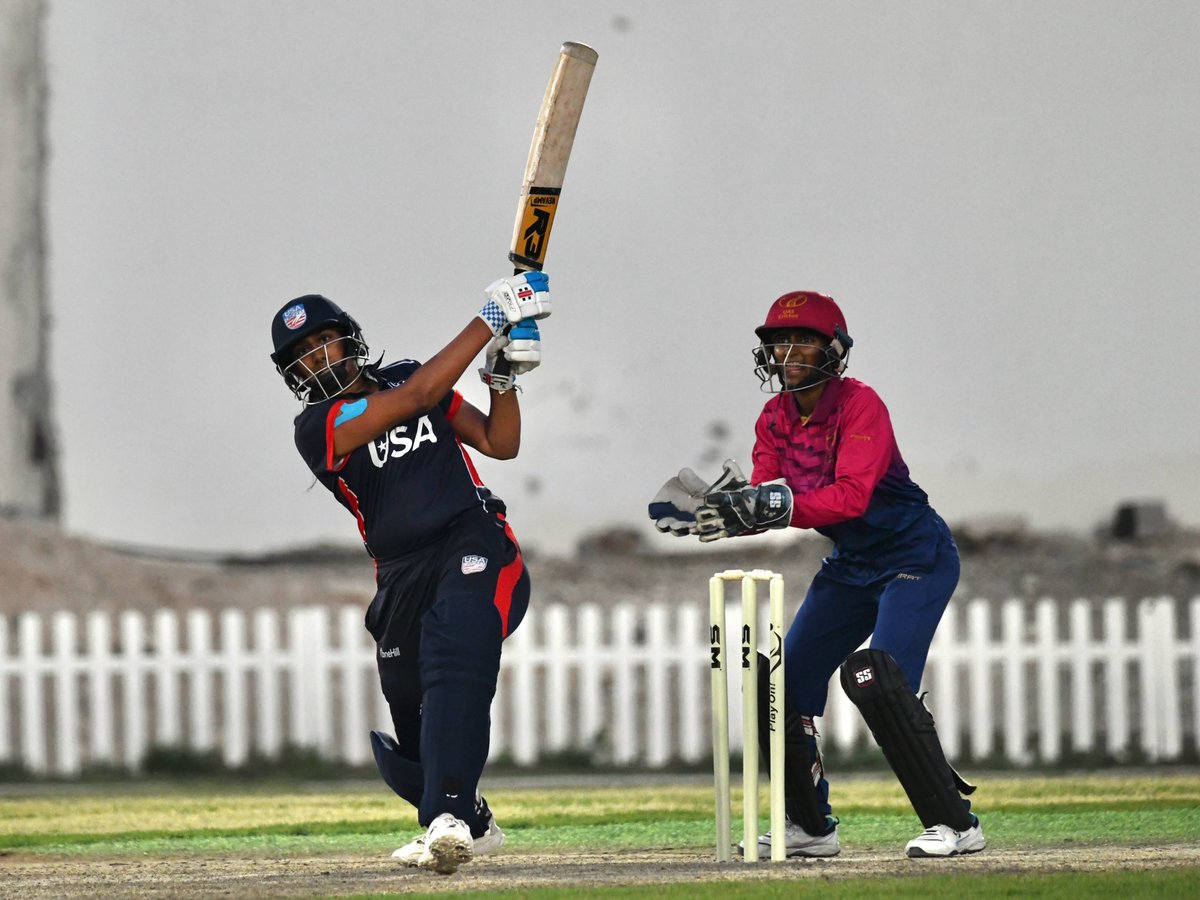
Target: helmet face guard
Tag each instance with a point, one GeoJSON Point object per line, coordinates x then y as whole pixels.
{"type": "Point", "coordinates": [312, 378]}
{"type": "Point", "coordinates": [771, 357]}
{"type": "Point", "coordinates": [801, 311]}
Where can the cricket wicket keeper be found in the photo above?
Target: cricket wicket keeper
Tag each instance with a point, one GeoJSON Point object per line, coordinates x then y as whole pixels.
{"type": "Point", "coordinates": [825, 458]}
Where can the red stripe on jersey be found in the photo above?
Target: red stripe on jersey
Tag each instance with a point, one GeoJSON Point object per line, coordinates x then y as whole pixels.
{"type": "Point", "coordinates": [455, 402]}
{"type": "Point", "coordinates": [506, 581]}
{"type": "Point", "coordinates": [352, 502]}
{"type": "Point", "coordinates": [331, 463]}
{"type": "Point", "coordinates": [470, 465]}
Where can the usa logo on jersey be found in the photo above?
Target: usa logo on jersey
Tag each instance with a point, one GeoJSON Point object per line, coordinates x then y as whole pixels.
{"type": "Point", "coordinates": [472, 564]}
{"type": "Point", "coordinates": [294, 316]}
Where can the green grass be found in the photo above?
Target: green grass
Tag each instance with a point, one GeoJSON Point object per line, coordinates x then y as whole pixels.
{"type": "Point", "coordinates": [236, 819]}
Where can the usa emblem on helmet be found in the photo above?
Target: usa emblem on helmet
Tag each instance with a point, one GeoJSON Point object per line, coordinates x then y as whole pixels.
{"type": "Point", "coordinates": [472, 564]}
{"type": "Point", "coordinates": [294, 316]}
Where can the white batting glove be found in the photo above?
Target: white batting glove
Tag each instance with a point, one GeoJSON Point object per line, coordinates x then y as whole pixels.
{"type": "Point", "coordinates": [524, 348]}
{"type": "Point", "coordinates": [522, 353]}
{"type": "Point", "coordinates": [510, 300]}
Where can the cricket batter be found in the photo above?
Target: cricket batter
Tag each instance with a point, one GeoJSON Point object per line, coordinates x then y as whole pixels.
{"type": "Point", "coordinates": [825, 458]}
{"type": "Point", "coordinates": [390, 443]}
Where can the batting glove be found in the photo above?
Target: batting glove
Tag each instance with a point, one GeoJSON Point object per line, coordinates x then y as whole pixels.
{"type": "Point", "coordinates": [510, 300]}
{"type": "Point", "coordinates": [521, 348]}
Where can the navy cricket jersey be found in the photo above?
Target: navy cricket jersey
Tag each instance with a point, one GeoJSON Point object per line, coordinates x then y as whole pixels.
{"type": "Point", "coordinates": [407, 486]}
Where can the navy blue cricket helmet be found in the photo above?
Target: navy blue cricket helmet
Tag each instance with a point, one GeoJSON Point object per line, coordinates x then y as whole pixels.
{"type": "Point", "coordinates": [296, 320]}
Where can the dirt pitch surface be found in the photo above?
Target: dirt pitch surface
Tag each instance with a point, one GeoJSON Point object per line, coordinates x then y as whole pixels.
{"type": "Point", "coordinates": [29, 876]}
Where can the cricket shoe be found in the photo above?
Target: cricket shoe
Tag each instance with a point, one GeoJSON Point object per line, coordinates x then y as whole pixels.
{"type": "Point", "coordinates": [800, 843]}
{"type": "Point", "coordinates": [493, 838]}
{"type": "Point", "coordinates": [943, 841]}
{"type": "Point", "coordinates": [489, 842]}
{"type": "Point", "coordinates": [448, 844]}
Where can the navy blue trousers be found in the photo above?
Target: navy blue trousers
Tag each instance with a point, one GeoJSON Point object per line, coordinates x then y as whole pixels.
{"type": "Point", "coordinates": [439, 620]}
{"type": "Point", "coordinates": [899, 612]}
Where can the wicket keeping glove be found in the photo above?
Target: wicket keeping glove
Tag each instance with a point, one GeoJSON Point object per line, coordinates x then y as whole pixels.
{"type": "Point", "coordinates": [728, 513]}
{"type": "Point", "coordinates": [674, 507]}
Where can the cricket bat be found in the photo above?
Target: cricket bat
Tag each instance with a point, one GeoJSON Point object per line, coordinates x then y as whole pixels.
{"type": "Point", "coordinates": [553, 136]}
{"type": "Point", "coordinates": [548, 155]}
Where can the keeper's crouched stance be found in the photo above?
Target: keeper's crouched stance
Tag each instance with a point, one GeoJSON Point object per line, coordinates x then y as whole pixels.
{"type": "Point", "coordinates": [826, 458]}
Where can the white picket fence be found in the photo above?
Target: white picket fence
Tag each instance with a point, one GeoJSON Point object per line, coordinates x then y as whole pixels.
{"type": "Point", "coordinates": [626, 685]}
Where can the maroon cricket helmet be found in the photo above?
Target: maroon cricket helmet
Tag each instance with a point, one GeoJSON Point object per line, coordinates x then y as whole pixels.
{"type": "Point", "coordinates": [804, 309]}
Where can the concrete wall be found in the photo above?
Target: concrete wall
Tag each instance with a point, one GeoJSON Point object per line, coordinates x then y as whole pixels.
{"type": "Point", "coordinates": [28, 456]}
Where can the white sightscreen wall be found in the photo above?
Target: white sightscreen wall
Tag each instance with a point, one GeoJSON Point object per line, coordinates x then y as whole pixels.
{"type": "Point", "coordinates": [28, 467]}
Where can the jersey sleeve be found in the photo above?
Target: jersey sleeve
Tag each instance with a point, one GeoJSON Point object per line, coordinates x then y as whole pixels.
{"type": "Point", "coordinates": [314, 437]}
{"type": "Point", "coordinates": [765, 456]}
{"type": "Point", "coordinates": [865, 443]}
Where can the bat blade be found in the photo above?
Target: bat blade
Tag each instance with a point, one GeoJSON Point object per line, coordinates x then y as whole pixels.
{"type": "Point", "coordinates": [553, 137]}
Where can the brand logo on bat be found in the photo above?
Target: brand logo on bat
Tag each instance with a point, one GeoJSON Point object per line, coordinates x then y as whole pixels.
{"type": "Point", "coordinates": [536, 230]}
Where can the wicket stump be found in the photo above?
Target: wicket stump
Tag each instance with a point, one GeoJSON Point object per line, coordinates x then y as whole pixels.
{"type": "Point", "coordinates": [720, 713]}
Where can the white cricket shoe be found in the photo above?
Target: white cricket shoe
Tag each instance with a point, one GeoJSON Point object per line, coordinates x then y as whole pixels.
{"type": "Point", "coordinates": [448, 844]}
{"type": "Point", "coordinates": [491, 840]}
{"type": "Point", "coordinates": [488, 842]}
{"type": "Point", "coordinates": [943, 841]}
{"type": "Point", "coordinates": [411, 852]}
{"type": "Point", "coordinates": [800, 843]}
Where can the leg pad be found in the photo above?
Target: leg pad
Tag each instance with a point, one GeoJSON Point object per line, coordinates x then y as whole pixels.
{"type": "Point", "coordinates": [904, 729]}
{"type": "Point", "coordinates": [402, 775]}
{"type": "Point", "coordinates": [802, 764]}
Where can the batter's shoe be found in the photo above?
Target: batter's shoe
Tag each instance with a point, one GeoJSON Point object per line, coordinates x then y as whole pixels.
{"type": "Point", "coordinates": [489, 842]}
{"type": "Point", "coordinates": [492, 839]}
{"type": "Point", "coordinates": [800, 843]}
{"type": "Point", "coordinates": [941, 841]}
{"type": "Point", "coordinates": [410, 853]}
{"type": "Point", "coordinates": [448, 844]}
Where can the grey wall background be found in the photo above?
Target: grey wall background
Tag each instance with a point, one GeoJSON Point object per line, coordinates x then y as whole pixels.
{"type": "Point", "coordinates": [28, 462]}
{"type": "Point", "coordinates": [1003, 197]}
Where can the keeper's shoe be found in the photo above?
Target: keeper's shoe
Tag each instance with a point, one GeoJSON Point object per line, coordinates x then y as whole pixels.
{"type": "Point", "coordinates": [800, 843]}
{"type": "Point", "coordinates": [448, 845]}
{"type": "Point", "coordinates": [488, 842]}
{"type": "Point", "coordinates": [941, 841]}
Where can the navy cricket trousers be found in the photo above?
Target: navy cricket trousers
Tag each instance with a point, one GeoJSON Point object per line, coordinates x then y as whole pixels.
{"type": "Point", "coordinates": [439, 621]}
{"type": "Point", "coordinates": [900, 611]}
